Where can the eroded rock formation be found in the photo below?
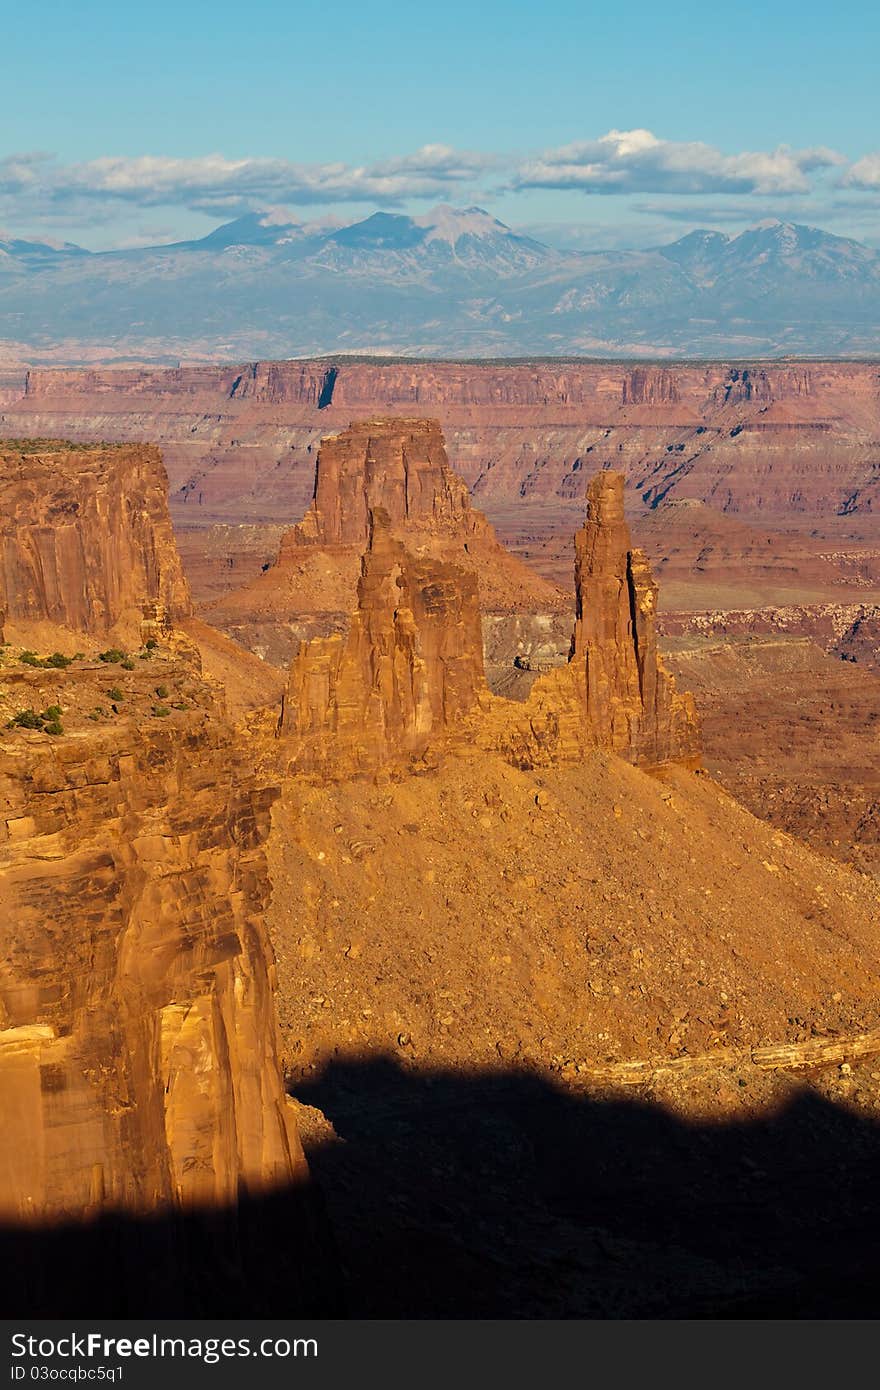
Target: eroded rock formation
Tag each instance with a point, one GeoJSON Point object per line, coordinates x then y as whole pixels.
{"type": "Point", "coordinates": [85, 536]}
{"type": "Point", "coordinates": [410, 667]}
{"type": "Point", "coordinates": [631, 699]}
{"type": "Point", "coordinates": [400, 466]}
{"type": "Point", "coordinates": [615, 692]}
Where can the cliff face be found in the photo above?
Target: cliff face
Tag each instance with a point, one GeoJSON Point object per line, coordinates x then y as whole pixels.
{"type": "Point", "coordinates": [763, 439]}
{"type": "Point", "coordinates": [137, 1044]}
{"type": "Point", "coordinates": [398, 464]}
{"type": "Point", "coordinates": [85, 536]}
{"type": "Point", "coordinates": [139, 1070]}
{"type": "Point", "coordinates": [409, 669]}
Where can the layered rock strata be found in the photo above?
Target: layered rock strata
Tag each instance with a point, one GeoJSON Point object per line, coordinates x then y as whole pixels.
{"type": "Point", "coordinates": [85, 536]}
{"type": "Point", "coordinates": [771, 440]}
{"type": "Point", "coordinates": [141, 1095]}
{"type": "Point", "coordinates": [138, 1046]}
{"type": "Point", "coordinates": [410, 667]}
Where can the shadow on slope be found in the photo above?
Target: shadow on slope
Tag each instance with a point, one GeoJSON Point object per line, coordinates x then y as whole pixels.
{"type": "Point", "coordinates": [271, 1256]}
{"type": "Point", "coordinates": [499, 1195]}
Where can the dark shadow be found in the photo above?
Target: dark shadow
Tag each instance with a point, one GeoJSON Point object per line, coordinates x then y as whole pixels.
{"type": "Point", "coordinates": [272, 1256]}
{"type": "Point", "coordinates": [500, 1195]}
{"type": "Point", "coordinates": [328, 384]}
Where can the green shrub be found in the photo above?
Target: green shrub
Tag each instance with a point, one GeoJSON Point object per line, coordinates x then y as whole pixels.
{"type": "Point", "coordinates": [179, 704]}
{"type": "Point", "coordinates": [127, 664]}
{"type": "Point", "coordinates": [49, 721]}
{"type": "Point", "coordinates": [151, 644]}
{"type": "Point", "coordinates": [112, 655]}
{"type": "Point", "coordinates": [26, 719]}
{"type": "Point", "coordinates": [59, 661]}
{"type": "Point", "coordinates": [162, 692]}
{"type": "Point", "coordinates": [161, 711]}
{"type": "Point", "coordinates": [115, 693]}
{"type": "Point", "coordinates": [94, 715]}
{"type": "Point", "coordinates": [30, 659]}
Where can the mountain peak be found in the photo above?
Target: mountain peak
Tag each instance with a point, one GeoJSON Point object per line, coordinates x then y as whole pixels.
{"type": "Point", "coordinates": [447, 223]}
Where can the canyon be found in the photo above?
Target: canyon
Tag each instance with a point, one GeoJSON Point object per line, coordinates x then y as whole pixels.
{"type": "Point", "coordinates": [749, 486]}
{"type": "Point", "coordinates": [387, 822]}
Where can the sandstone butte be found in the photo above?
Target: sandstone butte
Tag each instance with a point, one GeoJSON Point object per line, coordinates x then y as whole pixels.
{"type": "Point", "coordinates": [410, 668]}
{"type": "Point", "coordinates": [530, 896]}
{"type": "Point", "coordinates": [400, 466]}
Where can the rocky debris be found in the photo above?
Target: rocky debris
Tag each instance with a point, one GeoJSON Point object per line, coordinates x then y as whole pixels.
{"type": "Point", "coordinates": [792, 732]}
{"type": "Point", "coordinates": [586, 913]}
{"type": "Point", "coordinates": [86, 536]}
{"type": "Point", "coordinates": [409, 669]}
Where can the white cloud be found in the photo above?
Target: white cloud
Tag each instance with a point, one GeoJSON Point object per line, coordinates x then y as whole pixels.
{"type": "Point", "coordinates": [865, 173]}
{"type": "Point", "coordinates": [636, 161]}
{"type": "Point", "coordinates": [213, 183]}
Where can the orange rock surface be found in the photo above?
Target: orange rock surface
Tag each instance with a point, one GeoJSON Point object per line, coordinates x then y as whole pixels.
{"type": "Point", "coordinates": [409, 668]}
{"type": "Point", "coordinates": [411, 665]}
{"type": "Point", "coordinates": [85, 535]}
{"type": "Point", "coordinates": [401, 466]}
{"type": "Point", "coordinates": [139, 1071]}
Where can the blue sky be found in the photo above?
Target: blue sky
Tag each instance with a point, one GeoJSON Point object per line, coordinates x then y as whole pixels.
{"type": "Point", "coordinates": [752, 110]}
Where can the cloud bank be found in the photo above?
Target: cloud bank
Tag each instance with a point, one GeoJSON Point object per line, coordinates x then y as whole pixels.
{"type": "Point", "coordinates": [636, 161]}
{"type": "Point", "coordinates": [37, 190]}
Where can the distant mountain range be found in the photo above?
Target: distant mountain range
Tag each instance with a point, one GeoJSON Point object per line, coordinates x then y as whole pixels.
{"type": "Point", "coordinates": [454, 282]}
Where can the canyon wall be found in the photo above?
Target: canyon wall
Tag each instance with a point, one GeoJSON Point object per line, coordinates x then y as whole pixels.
{"type": "Point", "coordinates": [138, 1058]}
{"type": "Point", "coordinates": [764, 439]}
{"type": "Point", "coordinates": [139, 1070]}
{"type": "Point", "coordinates": [85, 536]}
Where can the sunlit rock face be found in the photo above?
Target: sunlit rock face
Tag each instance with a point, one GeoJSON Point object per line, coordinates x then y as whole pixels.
{"type": "Point", "coordinates": [85, 536]}
{"type": "Point", "coordinates": [139, 1069]}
